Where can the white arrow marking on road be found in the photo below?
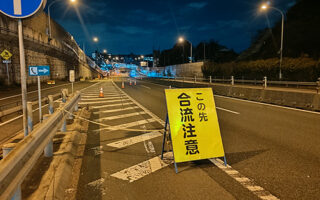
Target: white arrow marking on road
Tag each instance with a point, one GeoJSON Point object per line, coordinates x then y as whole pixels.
{"type": "Point", "coordinates": [17, 7]}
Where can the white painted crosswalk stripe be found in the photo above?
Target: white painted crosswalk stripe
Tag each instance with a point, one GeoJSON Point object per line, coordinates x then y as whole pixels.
{"type": "Point", "coordinates": [103, 102]}
{"type": "Point", "coordinates": [121, 116]}
{"type": "Point", "coordinates": [113, 105]}
{"type": "Point", "coordinates": [134, 140]}
{"type": "Point", "coordinates": [128, 125]}
{"type": "Point", "coordinates": [116, 110]}
{"type": "Point", "coordinates": [145, 168]}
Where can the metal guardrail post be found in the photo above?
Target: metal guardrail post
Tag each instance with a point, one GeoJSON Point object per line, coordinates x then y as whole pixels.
{"type": "Point", "coordinates": [318, 86]}
{"type": "Point", "coordinates": [48, 150]}
{"type": "Point", "coordinates": [232, 80]}
{"type": "Point", "coordinates": [51, 109]}
{"type": "Point", "coordinates": [64, 121]}
{"type": "Point", "coordinates": [210, 79]}
{"type": "Point", "coordinates": [6, 150]}
{"type": "Point", "coordinates": [63, 95]}
{"type": "Point", "coordinates": [30, 116]}
{"type": "Point", "coordinates": [195, 79]}
{"type": "Point", "coordinates": [265, 82]}
{"type": "Point", "coordinates": [76, 107]}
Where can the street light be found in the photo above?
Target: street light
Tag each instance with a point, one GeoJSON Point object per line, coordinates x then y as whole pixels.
{"type": "Point", "coordinates": [95, 39]}
{"type": "Point", "coordinates": [181, 40]}
{"type": "Point", "coordinates": [49, 17]}
{"type": "Point", "coordinates": [265, 7]}
{"type": "Point", "coordinates": [105, 51]}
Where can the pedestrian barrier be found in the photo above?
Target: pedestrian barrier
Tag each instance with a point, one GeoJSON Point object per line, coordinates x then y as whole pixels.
{"type": "Point", "coordinates": [15, 166]}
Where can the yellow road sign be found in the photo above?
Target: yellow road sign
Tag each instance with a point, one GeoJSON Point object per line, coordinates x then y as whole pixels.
{"type": "Point", "coordinates": [194, 124]}
{"type": "Point", "coordinates": [6, 54]}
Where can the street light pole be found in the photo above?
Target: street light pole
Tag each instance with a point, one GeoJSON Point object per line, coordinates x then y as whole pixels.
{"type": "Point", "coordinates": [264, 7]}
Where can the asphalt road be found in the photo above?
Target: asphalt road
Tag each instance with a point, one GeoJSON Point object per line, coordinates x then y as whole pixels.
{"type": "Point", "coordinates": [276, 148]}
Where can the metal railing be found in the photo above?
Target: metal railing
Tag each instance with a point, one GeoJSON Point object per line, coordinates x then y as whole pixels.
{"type": "Point", "coordinates": [264, 82]}
{"type": "Point", "coordinates": [15, 166]}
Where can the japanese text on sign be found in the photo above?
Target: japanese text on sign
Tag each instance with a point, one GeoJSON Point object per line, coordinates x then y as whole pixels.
{"type": "Point", "coordinates": [194, 124]}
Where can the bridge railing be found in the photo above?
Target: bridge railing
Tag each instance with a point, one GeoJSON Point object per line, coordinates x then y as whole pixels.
{"type": "Point", "coordinates": [15, 166]}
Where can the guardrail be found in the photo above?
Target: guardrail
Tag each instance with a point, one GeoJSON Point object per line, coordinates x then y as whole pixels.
{"type": "Point", "coordinates": [15, 166]}
{"type": "Point", "coordinates": [264, 82]}
{"type": "Point", "coordinates": [5, 112]}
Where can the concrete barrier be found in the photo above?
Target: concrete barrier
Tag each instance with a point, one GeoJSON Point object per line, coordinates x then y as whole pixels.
{"type": "Point", "coordinates": [295, 99]}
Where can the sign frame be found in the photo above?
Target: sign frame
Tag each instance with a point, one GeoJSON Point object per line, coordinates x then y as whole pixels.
{"type": "Point", "coordinates": [215, 136]}
{"type": "Point", "coordinates": [35, 71]}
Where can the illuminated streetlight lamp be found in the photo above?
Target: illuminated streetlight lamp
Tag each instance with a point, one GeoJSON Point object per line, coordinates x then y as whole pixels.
{"type": "Point", "coordinates": [49, 18]}
{"type": "Point", "coordinates": [264, 7]}
{"type": "Point", "coordinates": [105, 51]}
{"type": "Point", "coordinates": [181, 40]}
{"type": "Point", "coordinates": [95, 39]}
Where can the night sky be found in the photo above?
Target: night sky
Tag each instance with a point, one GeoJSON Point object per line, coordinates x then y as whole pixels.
{"type": "Point", "coordinates": [125, 26]}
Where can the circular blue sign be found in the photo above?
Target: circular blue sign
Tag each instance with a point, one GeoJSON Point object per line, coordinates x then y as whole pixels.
{"type": "Point", "coordinates": [20, 8]}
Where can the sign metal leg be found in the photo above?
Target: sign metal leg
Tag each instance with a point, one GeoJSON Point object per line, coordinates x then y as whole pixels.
{"type": "Point", "coordinates": [164, 136]}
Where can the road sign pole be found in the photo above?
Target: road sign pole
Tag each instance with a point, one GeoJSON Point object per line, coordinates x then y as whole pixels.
{"type": "Point", "coordinates": [23, 77]}
{"type": "Point", "coordinates": [39, 94]}
{"type": "Point", "coordinates": [8, 73]}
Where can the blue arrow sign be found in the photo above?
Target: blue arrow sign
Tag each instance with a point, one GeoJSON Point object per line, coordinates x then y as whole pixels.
{"type": "Point", "coordinates": [39, 70]}
{"type": "Point", "coordinates": [20, 8]}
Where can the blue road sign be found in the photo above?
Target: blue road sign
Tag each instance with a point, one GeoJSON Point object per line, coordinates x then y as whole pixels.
{"type": "Point", "coordinates": [39, 70]}
{"type": "Point", "coordinates": [20, 8]}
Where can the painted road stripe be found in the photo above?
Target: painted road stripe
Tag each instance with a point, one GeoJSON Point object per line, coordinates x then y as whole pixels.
{"type": "Point", "coordinates": [102, 102]}
{"type": "Point", "coordinates": [114, 105]}
{"type": "Point", "coordinates": [102, 99]}
{"type": "Point", "coordinates": [145, 168]}
{"type": "Point", "coordinates": [145, 87]}
{"type": "Point", "coordinates": [283, 107]}
{"type": "Point", "coordinates": [142, 107]}
{"type": "Point", "coordinates": [230, 111]}
{"type": "Point", "coordinates": [127, 125]}
{"type": "Point", "coordinates": [244, 181]}
{"type": "Point", "coordinates": [105, 95]}
{"type": "Point", "coordinates": [121, 116]}
{"type": "Point", "coordinates": [134, 140]}
{"type": "Point", "coordinates": [116, 110]}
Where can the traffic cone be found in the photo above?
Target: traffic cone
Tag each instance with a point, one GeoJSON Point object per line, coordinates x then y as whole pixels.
{"type": "Point", "coordinates": [122, 86]}
{"type": "Point", "coordinates": [130, 82]}
{"type": "Point", "coordinates": [101, 93]}
{"type": "Point", "coordinates": [135, 82]}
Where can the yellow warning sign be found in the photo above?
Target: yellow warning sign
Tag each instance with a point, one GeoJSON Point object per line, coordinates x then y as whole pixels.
{"type": "Point", "coordinates": [6, 54]}
{"type": "Point", "coordinates": [194, 126]}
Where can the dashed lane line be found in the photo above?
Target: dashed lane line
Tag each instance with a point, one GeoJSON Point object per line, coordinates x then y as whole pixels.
{"type": "Point", "coordinates": [230, 111]}
{"type": "Point", "coordinates": [113, 105]}
{"type": "Point", "coordinates": [244, 181]}
{"type": "Point", "coordinates": [121, 116]}
{"type": "Point", "coordinates": [116, 110]}
{"type": "Point", "coordinates": [134, 140]}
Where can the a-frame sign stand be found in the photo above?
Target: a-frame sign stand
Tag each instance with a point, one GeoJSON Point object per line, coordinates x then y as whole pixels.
{"type": "Point", "coordinates": [167, 131]}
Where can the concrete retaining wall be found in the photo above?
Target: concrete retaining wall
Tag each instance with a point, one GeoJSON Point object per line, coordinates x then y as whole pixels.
{"type": "Point", "coordinates": [187, 70]}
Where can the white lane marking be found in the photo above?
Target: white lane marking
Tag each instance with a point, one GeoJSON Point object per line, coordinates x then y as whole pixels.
{"type": "Point", "coordinates": [99, 98]}
{"type": "Point", "coordinates": [134, 170]}
{"type": "Point", "coordinates": [145, 168]}
{"type": "Point", "coordinates": [116, 110]}
{"type": "Point", "coordinates": [121, 116]}
{"type": "Point", "coordinates": [102, 102]}
{"type": "Point", "coordinates": [283, 107]}
{"type": "Point", "coordinates": [234, 112]}
{"type": "Point", "coordinates": [113, 105]}
{"type": "Point", "coordinates": [134, 140]}
{"type": "Point", "coordinates": [145, 87]}
{"type": "Point", "coordinates": [142, 107]}
{"type": "Point", "coordinates": [244, 181]}
{"type": "Point", "coordinates": [127, 125]}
